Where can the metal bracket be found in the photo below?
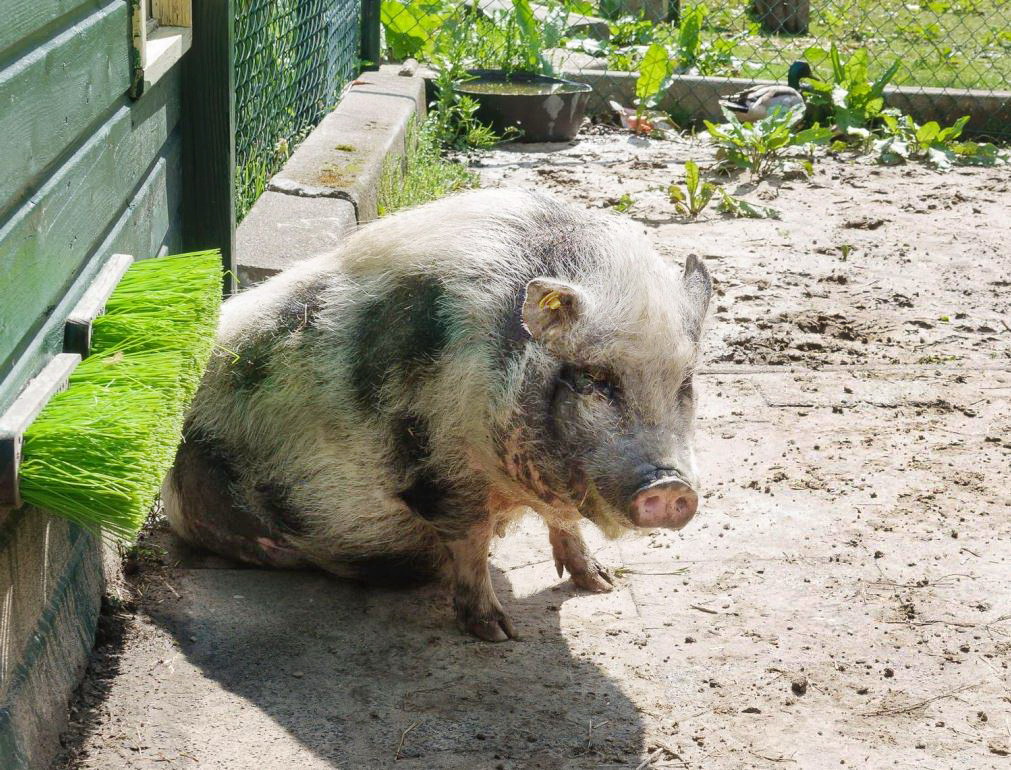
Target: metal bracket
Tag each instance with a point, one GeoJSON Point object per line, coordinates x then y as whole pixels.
{"type": "Point", "coordinates": [77, 331]}
{"type": "Point", "coordinates": [15, 421]}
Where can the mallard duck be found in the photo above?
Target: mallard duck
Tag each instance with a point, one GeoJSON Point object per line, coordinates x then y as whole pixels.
{"type": "Point", "coordinates": [758, 102]}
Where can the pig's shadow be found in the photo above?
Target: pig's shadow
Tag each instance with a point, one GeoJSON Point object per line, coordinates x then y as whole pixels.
{"type": "Point", "coordinates": [346, 670]}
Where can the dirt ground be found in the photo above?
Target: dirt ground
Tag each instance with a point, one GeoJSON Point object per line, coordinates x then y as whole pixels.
{"type": "Point", "coordinates": [843, 598]}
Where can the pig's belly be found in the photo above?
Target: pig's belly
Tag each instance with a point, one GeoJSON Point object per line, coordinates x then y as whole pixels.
{"type": "Point", "coordinates": [361, 539]}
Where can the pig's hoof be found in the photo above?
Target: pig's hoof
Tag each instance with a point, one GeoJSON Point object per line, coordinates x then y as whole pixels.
{"type": "Point", "coordinates": [571, 554]}
{"type": "Point", "coordinates": [491, 627]}
{"type": "Point", "coordinates": [593, 577]}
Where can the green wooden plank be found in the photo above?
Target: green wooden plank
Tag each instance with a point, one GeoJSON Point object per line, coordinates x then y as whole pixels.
{"type": "Point", "coordinates": [47, 240]}
{"type": "Point", "coordinates": [22, 19]}
{"type": "Point", "coordinates": [56, 90]}
{"type": "Point", "coordinates": [151, 221]}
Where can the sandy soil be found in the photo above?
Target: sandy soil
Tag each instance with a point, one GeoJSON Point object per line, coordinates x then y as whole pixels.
{"type": "Point", "coordinates": [844, 598]}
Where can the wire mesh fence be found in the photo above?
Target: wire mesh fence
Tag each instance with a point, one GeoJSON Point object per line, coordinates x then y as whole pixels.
{"type": "Point", "coordinates": [943, 48]}
{"type": "Point", "coordinates": [292, 60]}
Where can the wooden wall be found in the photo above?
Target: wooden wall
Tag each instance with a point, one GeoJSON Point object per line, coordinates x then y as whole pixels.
{"type": "Point", "coordinates": [84, 172]}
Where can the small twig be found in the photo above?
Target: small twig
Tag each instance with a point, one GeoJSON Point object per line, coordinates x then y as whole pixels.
{"type": "Point", "coordinates": [672, 751]}
{"type": "Point", "coordinates": [648, 760]}
{"type": "Point", "coordinates": [404, 701]}
{"type": "Point", "coordinates": [170, 588]}
{"type": "Point", "coordinates": [704, 609]}
{"type": "Point", "coordinates": [589, 731]}
{"type": "Point", "coordinates": [955, 623]}
{"type": "Point", "coordinates": [626, 571]}
{"type": "Point", "coordinates": [1006, 326]}
{"type": "Point", "coordinates": [400, 745]}
{"type": "Point", "coordinates": [780, 758]}
{"type": "Point", "coordinates": [918, 704]}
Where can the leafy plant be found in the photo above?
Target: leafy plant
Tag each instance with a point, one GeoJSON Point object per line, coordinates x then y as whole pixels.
{"type": "Point", "coordinates": [410, 26]}
{"type": "Point", "coordinates": [905, 140]}
{"type": "Point", "coordinates": [693, 199]}
{"type": "Point", "coordinates": [452, 117]}
{"type": "Point", "coordinates": [740, 208]}
{"type": "Point", "coordinates": [687, 50]}
{"type": "Point", "coordinates": [513, 37]}
{"type": "Point", "coordinates": [630, 30]}
{"type": "Point", "coordinates": [536, 36]}
{"type": "Point", "coordinates": [850, 100]}
{"type": "Point", "coordinates": [690, 35]}
{"type": "Point", "coordinates": [624, 203]}
{"type": "Point", "coordinates": [761, 147]}
{"type": "Point", "coordinates": [654, 74]}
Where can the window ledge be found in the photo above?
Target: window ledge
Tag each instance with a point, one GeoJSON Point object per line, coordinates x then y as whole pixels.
{"type": "Point", "coordinates": [165, 47]}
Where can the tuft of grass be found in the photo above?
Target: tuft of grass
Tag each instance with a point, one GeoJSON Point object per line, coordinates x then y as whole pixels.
{"type": "Point", "coordinates": [99, 450]}
{"type": "Point", "coordinates": [422, 175]}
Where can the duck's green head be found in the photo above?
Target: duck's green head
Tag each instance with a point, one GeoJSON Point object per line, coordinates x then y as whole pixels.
{"type": "Point", "coordinates": [798, 70]}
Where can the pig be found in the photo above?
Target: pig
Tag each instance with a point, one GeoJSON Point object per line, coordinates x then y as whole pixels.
{"type": "Point", "coordinates": [382, 412]}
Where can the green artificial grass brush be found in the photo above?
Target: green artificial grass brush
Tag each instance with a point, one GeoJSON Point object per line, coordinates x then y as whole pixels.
{"type": "Point", "coordinates": [98, 451]}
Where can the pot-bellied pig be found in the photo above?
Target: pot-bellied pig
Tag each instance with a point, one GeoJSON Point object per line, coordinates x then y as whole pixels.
{"type": "Point", "coordinates": [383, 412]}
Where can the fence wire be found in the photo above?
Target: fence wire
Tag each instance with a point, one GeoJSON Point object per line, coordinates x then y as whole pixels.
{"type": "Point", "coordinates": [292, 60]}
{"type": "Point", "coordinates": [944, 48]}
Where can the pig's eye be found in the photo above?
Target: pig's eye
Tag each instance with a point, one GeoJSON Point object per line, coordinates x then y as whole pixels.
{"type": "Point", "coordinates": [588, 382]}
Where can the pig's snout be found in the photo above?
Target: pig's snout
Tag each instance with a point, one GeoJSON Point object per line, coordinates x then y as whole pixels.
{"type": "Point", "coordinates": [668, 502]}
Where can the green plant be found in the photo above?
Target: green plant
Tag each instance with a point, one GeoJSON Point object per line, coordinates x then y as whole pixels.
{"type": "Point", "coordinates": [536, 36]}
{"type": "Point", "coordinates": [410, 26]}
{"type": "Point", "coordinates": [250, 181]}
{"type": "Point", "coordinates": [453, 117]}
{"type": "Point", "coordinates": [632, 30]}
{"type": "Point", "coordinates": [654, 76]}
{"type": "Point", "coordinates": [423, 174]}
{"type": "Point", "coordinates": [693, 199]}
{"type": "Point", "coordinates": [740, 208]}
{"type": "Point", "coordinates": [690, 35]}
{"type": "Point", "coordinates": [686, 48]}
{"type": "Point", "coordinates": [761, 147]}
{"type": "Point", "coordinates": [850, 100]}
{"type": "Point", "coordinates": [511, 38]}
{"type": "Point", "coordinates": [905, 140]}
{"type": "Point", "coordinates": [624, 203]}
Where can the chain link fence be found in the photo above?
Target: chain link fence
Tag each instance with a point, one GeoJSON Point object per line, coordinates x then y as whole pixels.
{"type": "Point", "coordinates": [293, 58]}
{"type": "Point", "coordinates": [944, 48]}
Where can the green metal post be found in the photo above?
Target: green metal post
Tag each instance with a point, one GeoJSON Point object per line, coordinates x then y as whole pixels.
{"type": "Point", "coordinates": [370, 54]}
{"type": "Point", "coordinates": [209, 134]}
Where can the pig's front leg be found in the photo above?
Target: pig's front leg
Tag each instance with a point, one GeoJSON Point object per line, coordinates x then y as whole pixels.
{"type": "Point", "coordinates": [571, 553]}
{"type": "Point", "coordinates": [477, 608]}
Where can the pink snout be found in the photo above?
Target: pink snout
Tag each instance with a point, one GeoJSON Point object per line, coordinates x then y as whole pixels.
{"type": "Point", "coordinates": [669, 503]}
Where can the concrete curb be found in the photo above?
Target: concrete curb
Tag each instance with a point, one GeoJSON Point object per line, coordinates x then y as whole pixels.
{"type": "Point", "coordinates": [330, 183]}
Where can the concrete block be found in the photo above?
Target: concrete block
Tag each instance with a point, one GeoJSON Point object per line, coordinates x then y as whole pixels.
{"type": "Point", "coordinates": [343, 157]}
{"type": "Point", "coordinates": [281, 230]}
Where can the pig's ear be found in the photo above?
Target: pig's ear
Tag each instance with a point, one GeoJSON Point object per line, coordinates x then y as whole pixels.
{"type": "Point", "coordinates": [551, 308]}
{"type": "Point", "coordinates": [698, 290]}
